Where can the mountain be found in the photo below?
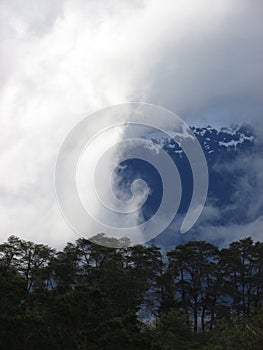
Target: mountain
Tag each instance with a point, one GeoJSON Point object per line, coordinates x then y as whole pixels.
{"type": "Point", "coordinates": [228, 152]}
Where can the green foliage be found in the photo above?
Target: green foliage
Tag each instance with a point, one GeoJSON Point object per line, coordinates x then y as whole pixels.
{"type": "Point", "coordinates": [94, 297]}
{"type": "Point", "coordinates": [244, 334]}
{"type": "Point", "coordinates": [172, 331]}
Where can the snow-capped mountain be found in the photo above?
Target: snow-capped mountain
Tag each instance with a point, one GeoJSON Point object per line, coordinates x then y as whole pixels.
{"type": "Point", "coordinates": [212, 139]}
{"type": "Point", "coordinates": [231, 154]}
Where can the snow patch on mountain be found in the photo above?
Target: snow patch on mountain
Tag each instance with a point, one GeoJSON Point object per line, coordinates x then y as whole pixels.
{"type": "Point", "coordinates": [209, 137]}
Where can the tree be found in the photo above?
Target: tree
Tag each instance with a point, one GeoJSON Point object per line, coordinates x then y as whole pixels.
{"type": "Point", "coordinates": [89, 296]}
{"type": "Point", "coordinates": [194, 283]}
{"type": "Point", "coordinates": [242, 276]}
{"type": "Point", "coordinates": [244, 334]}
{"type": "Point", "coordinates": [172, 331]}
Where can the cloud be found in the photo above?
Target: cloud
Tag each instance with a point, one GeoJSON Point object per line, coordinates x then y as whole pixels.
{"type": "Point", "coordinates": [247, 170]}
{"type": "Point", "coordinates": [244, 213]}
{"type": "Point", "coordinates": [63, 59]}
{"type": "Point", "coordinates": [223, 235]}
{"type": "Point", "coordinates": [214, 73]}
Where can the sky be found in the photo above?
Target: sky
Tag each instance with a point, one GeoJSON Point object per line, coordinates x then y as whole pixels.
{"type": "Point", "coordinates": [61, 60]}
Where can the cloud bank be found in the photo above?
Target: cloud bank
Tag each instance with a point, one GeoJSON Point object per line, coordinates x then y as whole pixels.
{"type": "Point", "coordinates": [63, 59]}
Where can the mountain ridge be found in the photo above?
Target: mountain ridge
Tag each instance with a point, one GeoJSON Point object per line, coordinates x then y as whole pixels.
{"type": "Point", "coordinates": [225, 150]}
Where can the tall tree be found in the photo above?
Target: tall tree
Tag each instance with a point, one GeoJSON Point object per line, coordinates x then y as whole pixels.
{"type": "Point", "coordinates": [193, 269]}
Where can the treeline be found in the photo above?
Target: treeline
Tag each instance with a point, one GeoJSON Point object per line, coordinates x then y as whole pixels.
{"type": "Point", "coordinates": [92, 297]}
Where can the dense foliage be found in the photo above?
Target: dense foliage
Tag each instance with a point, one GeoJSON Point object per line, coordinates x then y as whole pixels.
{"type": "Point", "coordinates": [92, 297]}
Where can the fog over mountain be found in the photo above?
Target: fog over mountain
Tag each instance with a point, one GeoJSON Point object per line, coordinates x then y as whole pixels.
{"type": "Point", "coordinates": [63, 59]}
{"type": "Point", "coordinates": [234, 204]}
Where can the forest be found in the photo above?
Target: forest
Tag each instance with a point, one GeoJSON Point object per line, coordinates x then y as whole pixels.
{"type": "Point", "coordinates": [87, 296]}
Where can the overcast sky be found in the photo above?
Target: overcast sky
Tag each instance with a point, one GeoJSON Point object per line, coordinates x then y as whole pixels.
{"type": "Point", "coordinates": [60, 60]}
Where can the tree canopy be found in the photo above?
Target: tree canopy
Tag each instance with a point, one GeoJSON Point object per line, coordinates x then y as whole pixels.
{"type": "Point", "coordinates": [88, 296]}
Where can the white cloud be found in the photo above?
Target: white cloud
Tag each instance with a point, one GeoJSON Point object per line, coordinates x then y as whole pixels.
{"type": "Point", "coordinates": [63, 59]}
{"type": "Point", "coordinates": [224, 235]}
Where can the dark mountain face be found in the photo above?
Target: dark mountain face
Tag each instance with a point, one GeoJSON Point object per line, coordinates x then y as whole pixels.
{"type": "Point", "coordinates": [227, 151]}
